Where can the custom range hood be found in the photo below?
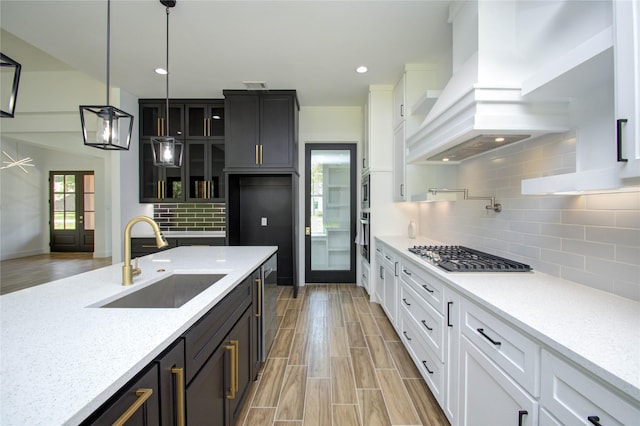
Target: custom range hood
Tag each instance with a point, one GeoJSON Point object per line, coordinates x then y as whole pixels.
{"type": "Point", "coordinates": [482, 107]}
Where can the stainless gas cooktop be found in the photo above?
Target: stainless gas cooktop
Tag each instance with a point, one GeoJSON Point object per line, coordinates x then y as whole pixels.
{"type": "Point", "coordinates": [464, 259]}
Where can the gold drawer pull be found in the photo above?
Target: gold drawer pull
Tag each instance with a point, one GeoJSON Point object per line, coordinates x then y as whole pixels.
{"type": "Point", "coordinates": [257, 155]}
{"type": "Point", "coordinates": [179, 372]}
{"type": "Point", "coordinates": [233, 347]}
{"type": "Point", "coordinates": [259, 282]}
{"type": "Point", "coordinates": [260, 154]}
{"type": "Point", "coordinates": [143, 394]}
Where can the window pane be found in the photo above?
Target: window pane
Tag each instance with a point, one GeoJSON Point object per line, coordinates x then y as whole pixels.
{"type": "Point", "coordinates": [70, 183]}
{"type": "Point", "coordinates": [58, 220]}
{"type": "Point", "coordinates": [89, 183]}
{"type": "Point", "coordinates": [70, 220]}
{"type": "Point", "coordinates": [89, 221]}
{"type": "Point", "coordinates": [58, 183]}
{"type": "Point", "coordinates": [70, 202]}
{"type": "Point", "coordinates": [89, 203]}
{"type": "Point", "coordinates": [58, 202]}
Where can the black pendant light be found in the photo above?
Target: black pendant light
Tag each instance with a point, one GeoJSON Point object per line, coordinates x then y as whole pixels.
{"type": "Point", "coordinates": [167, 150]}
{"type": "Point", "coordinates": [9, 65]}
{"type": "Point", "coordinates": [104, 126]}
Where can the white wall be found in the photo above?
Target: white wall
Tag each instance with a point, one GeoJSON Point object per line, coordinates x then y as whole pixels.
{"type": "Point", "coordinates": [324, 125]}
{"type": "Point", "coordinates": [47, 128]}
{"type": "Point", "coordinates": [590, 239]}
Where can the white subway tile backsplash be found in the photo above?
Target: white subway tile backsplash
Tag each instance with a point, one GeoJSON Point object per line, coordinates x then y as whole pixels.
{"type": "Point", "coordinates": [630, 219]}
{"type": "Point", "coordinates": [623, 236]}
{"type": "Point", "coordinates": [590, 239]}
{"type": "Point", "coordinates": [563, 231]}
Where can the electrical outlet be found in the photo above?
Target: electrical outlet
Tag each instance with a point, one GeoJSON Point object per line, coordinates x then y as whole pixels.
{"type": "Point", "coordinates": [263, 221]}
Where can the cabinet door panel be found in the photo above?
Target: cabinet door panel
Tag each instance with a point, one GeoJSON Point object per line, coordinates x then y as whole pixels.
{"type": "Point", "coordinates": [172, 382]}
{"type": "Point", "coordinates": [241, 333]}
{"type": "Point", "coordinates": [206, 394]}
{"type": "Point", "coordinates": [488, 395]}
{"type": "Point", "coordinates": [276, 131]}
{"type": "Point", "coordinates": [242, 130]}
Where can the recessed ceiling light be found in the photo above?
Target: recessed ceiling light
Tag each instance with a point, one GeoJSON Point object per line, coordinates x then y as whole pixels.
{"type": "Point", "coordinates": [161, 71]}
{"type": "Point", "coordinates": [499, 139]}
{"type": "Point", "coordinates": [361, 69]}
{"type": "Point", "coordinates": [445, 159]}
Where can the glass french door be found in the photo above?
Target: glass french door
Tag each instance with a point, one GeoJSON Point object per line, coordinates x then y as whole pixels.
{"type": "Point", "coordinates": [72, 211]}
{"type": "Point", "coordinates": [330, 218]}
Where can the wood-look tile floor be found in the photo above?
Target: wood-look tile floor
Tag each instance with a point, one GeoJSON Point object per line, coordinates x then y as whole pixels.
{"type": "Point", "coordinates": [25, 272]}
{"type": "Point", "coordinates": [337, 361]}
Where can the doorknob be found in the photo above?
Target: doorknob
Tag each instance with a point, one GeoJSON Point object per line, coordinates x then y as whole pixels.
{"type": "Point", "coordinates": [307, 230]}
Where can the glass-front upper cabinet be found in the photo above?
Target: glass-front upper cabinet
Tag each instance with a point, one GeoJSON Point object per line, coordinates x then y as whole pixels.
{"type": "Point", "coordinates": [205, 171]}
{"type": "Point", "coordinates": [205, 121]}
{"type": "Point", "coordinates": [153, 119]}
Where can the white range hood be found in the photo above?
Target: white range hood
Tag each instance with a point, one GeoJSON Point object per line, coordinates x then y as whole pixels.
{"type": "Point", "coordinates": [483, 99]}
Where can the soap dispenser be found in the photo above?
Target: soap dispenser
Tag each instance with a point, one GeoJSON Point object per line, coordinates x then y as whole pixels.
{"type": "Point", "coordinates": [412, 229]}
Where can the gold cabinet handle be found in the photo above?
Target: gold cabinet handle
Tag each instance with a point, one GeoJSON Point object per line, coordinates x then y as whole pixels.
{"type": "Point", "coordinates": [210, 189]}
{"type": "Point", "coordinates": [143, 394]}
{"type": "Point", "coordinates": [257, 155]}
{"type": "Point", "coordinates": [158, 126]}
{"type": "Point", "coordinates": [237, 364]}
{"type": "Point", "coordinates": [260, 154]}
{"type": "Point", "coordinates": [259, 282]}
{"type": "Point", "coordinates": [179, 372]}
{"type": "Point", "coordinates": [206, 131]}
{"type": "Point", "coordinates": [233, 347]}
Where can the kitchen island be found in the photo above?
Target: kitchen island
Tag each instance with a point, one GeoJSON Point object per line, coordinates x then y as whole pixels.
{"type": "Point", "coordinates": [62, 356]}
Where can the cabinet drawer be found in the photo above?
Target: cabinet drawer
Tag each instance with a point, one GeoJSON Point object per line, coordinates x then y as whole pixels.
{"type": "Point", "coordinates": [202, 339]}
{"type": "Point", "coordinates": [427, 362]}
{"type": "Point", "coordinates": [518, 355]}
{"type": "Point", "coordinates": [573, 397]}
{"type": "Point", "coordinates": [389, 258]}
{"type": "Point", "coordinates": [425, 284]}
{"type": "Point", "coordinates": [427, 319]}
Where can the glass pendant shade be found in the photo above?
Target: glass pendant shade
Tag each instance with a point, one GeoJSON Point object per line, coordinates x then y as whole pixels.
{"type": "Point", "coordinates": [167, 151]}
{"type": "Point", "coordinates": [106, 127]}
{"type": "Point", "coordinates": [10, 76]}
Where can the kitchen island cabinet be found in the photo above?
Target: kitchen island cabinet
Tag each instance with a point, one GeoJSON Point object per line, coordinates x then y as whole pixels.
{"type": "Point", "coordinates": [109, 347]}
{"type": "Point", "coordinates": [497, 327]}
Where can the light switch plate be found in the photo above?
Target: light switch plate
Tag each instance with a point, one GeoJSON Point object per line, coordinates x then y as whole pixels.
{"type": "Point", "coordinates": [263, 221]}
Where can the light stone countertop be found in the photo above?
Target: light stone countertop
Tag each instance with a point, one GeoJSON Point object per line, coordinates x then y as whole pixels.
{"type": "Point", "coordinates": [60, 358]}
{"type": "Point", "coordinates": [595, 329]}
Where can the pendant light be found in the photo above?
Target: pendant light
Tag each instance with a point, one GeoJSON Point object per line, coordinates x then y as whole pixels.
{"type": "Point", "coordinates": [104, 126]}
{"type": "Point", "coordinates": [8, 64]}
{"type": "Point", "coordinates": [167, 151]}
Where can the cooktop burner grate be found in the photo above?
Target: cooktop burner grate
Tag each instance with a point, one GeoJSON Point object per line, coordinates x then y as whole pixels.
{"type": "Point", "coordinates": [464, 259]}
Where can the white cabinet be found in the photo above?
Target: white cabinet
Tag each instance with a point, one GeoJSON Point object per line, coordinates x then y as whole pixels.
{"type": "Point", "coordinates": [489, 396]}
{"type": "Point", "coordinates": [499, 371]}
{"type": "Point", "coordinates": [627, 83]}
{"type": "Point", "coordinates": [451, 355]}
{"type": "Point", "coordinates": [378, 291]}
{"type": "Point", "coordinates": [377, 152]}
{"type": "Point", "coordinates": [570, 396]}
{"type": "Point", "coordinates": [512, 351]}
{"type": "Point", "coordinates": [390, 265]}
{"type": "Point", "coordinates": [399, 165]}
{"type": "Point", "coordinates": [364, 275]}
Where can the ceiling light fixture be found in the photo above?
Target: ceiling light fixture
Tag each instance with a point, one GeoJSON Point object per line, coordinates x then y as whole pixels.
{"type": "Point", "coordinates": [161, 71]}
{"type": "Point", "coordinates": [167, 151]}
{"type": "Point", "coordinates": [361, 69]}
{"type": "Point", "coordinates": [8, 64]}
{"type": "Point", "coordinates": [106, 128]}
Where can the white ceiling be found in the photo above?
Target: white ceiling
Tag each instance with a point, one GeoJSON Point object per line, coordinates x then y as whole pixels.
{"type": "Point", "coordinates": [311, 46]}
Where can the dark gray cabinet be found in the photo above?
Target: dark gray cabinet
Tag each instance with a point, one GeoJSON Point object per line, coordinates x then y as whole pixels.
{"type": "Point", "coordinates": [261, 130]}
{"type": "Point", "coordinates": [199, 125]}
{"type": "Point", "coordinates": [203, 377]}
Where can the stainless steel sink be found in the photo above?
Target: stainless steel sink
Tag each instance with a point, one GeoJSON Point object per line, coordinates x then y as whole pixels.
{"type": "Point", "coordinates": [171, 292]}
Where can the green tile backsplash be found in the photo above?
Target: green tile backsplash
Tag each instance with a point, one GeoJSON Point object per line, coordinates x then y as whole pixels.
{"type": "Point", "coordinates": [190, 217]}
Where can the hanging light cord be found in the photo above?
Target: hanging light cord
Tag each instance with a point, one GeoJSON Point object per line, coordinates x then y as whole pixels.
{"type": "Point", "coordinates": [167, 80]}
{"type": "Point", "coordinates": [108, 44]}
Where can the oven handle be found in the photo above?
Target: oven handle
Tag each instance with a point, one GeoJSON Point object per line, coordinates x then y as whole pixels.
{"type": "Point", "coordinates": [364, 221]}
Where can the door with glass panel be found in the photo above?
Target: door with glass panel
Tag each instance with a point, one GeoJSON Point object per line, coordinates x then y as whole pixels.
{"type": "Point", "coordinates": [72, 211]}
{"type": "Point", "coordinates": [330, 218]}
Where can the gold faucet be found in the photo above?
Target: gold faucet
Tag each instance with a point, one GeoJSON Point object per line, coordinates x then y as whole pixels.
{"type": "Point", "coordinates": [127, 271]}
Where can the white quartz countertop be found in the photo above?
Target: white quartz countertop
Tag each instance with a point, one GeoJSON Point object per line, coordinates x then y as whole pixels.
{"type": "Point", "coordinates": [597, 330]}
{"type": "Point", "coordinates": [61, 358]}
